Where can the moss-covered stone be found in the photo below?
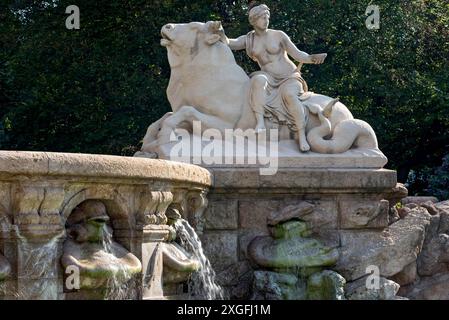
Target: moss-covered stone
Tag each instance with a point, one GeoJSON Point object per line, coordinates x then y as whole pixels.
{"type": "Point", "coordinates": [326, 285]}
{"type": "Point", "coordinates": [290, 229]}
{"type": "Point", "coordinates": [278, 286]}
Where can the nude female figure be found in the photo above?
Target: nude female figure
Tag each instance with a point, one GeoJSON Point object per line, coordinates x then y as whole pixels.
{"type": "Point", "coordinates": [276, 89]}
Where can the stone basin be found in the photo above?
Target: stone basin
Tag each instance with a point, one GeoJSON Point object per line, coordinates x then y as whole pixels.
{"type": "Point", "coordinates": [40, 190]}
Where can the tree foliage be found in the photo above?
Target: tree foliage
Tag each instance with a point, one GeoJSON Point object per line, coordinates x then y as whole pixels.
{"type": "Point", "coordinates": [97, 89]}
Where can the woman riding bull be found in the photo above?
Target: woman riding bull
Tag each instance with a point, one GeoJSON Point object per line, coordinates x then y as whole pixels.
{"type": "Point", "coordinates": [276, 90]}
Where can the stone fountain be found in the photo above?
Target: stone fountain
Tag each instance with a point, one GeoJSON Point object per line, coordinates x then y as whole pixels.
{"type": "Point", "coordinates": [294, 174]}
{"type": "Point", "coordinates": [298, 204]}
{"type": "Point", "coordinates": [301, 206]}
{"type": "Point", "coordinates": [101, 218]}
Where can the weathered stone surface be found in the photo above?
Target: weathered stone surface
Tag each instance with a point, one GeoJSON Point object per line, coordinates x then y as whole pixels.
{"type": "Point", "coordinates": [230, 276]}
{"type": "Point", "coordinates": [443, 205]}
{"type": "Point", "coordinates": [222, 215]}
{"type": "Point", "coordinates": [296, 211]}
{"type": "Point", "coordinates": [429, 288]}
{"type": "Point", "coordinates": [290, 229]}
{"type": "Point", "coordinates": [291, 248]}
{"type": "Point", "coordinates": [393, 215]}
{"type": "Point", "coordinates": [406, 276]}
{"type": "Point", "coordinates": [361, 289]}
{"type": "Point", "coordinates": [363, 213]}
{"type": "Point", "coordinates": [5, 268]}
{"type": "Point", "coordinates": [434, 257]}
{"type": "Point", "coordinates": [431, 208]}
{"type": "Point", "coordinates": [253, 214]}
{"type": "Point", "coordinates": [326, 285]}
{"type": "Point", "coordinates": [322, 220]}
{"type": "Point", "coordinates": [89, 165]}
{"type": "Point", "coordinates": [288, 157]}
{"type": "Point", "coordinates": [396, 194]}
{"type": "Point", "coordinates": [277, 286]}
{"type": "Point", "coordinates": [307, 180]}
{"type": "Point", "coordinates": [418, 200]}
{"type": "Point", "coordinates": [245, 238]}
{"type": "Point", "coordinates": [38, 191]}
{"type": "Point", "coordinates": [221, 248]}
{"type": "Point", "coordinates": [242, 290]}
{"type": "Point", "coordinates": [237, 280]}
{"type": "Point", "coordinates": [390, 250]}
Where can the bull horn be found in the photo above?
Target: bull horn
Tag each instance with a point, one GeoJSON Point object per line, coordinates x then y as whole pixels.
{"type": "Point", "coordinates": [216, 25]}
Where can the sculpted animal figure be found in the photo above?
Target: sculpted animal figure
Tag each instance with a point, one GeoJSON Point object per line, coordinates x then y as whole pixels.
{"type": "Point", "coordinates": [207, 85]}
{"type": "Point", "coordinates": [346, 134]}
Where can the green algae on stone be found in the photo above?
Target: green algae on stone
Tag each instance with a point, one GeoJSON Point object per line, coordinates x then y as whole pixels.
{"type": "Point", "coordinates": [278, 286]}
{"type": "Point", "coordinates": [326, 285]}
{"type": "Point", "coordinates": [293, 252]}
{"type": "Point", "coordinates": [290, 229]}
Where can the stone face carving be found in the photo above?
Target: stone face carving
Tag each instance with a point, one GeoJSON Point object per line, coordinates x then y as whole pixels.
{"type": "Point", "coordinates": [296, 259]}
{"type": "Point", "coordinates": [92, 250]}
{"type": "Point", "coordinates": [178, 264]}
{"type": "Point", "coordinates": [290, 247]}
{"type": "Point", "coordinates": [207, 85]}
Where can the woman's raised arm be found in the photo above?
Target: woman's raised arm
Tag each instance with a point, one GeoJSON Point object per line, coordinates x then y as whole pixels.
{"type": "Point", "coordinates": [237, 44]}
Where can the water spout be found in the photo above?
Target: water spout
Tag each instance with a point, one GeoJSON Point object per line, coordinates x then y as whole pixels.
{"type": "Point", "coordinates": [202, 283]}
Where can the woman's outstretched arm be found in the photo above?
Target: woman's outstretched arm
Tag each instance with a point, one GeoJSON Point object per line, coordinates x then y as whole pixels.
{"type": "Point", "coordinates": [299, 55]}
{"type": "Point", "coordinates": [237, 44]}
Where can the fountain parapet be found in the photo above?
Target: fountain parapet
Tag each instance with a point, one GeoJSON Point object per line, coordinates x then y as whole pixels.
{"type": "Point", "coordinates": [40, 191]}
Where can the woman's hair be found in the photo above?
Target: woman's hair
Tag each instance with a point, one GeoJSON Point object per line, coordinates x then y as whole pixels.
{"type": "Point", "coordinates": [257, 12]}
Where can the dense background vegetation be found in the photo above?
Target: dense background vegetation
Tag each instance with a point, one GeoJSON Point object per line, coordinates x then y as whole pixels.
{"type": "Point", "coordinates": [97, 89]}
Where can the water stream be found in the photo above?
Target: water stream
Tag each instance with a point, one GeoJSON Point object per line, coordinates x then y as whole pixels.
{"type": "Point", "coordinates": [202, 284]}
{"type": "Point", "coordinates": [120, 285]}
{"type": "Point", "coordinates": [38, 268]}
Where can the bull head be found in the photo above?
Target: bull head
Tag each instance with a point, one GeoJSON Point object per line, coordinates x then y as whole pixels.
{"type": "Point", "coordinates": [215, 32]}
{"type": "Point", "coordinates": [184, 41]}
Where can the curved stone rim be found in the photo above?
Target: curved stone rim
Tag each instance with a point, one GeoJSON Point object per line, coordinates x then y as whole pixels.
{"type": "Point", "coordinates": [30, 163]}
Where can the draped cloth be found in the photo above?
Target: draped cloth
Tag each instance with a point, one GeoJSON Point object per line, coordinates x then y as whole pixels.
{"type": "Point", "coordinates": [275, 107]}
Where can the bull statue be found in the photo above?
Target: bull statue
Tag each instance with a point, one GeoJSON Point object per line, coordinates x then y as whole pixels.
{"type": "Point", "coordinates": [207, 85]}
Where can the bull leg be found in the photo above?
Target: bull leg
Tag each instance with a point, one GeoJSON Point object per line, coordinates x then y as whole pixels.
{"type": "Point", "coordinates": [150, 140]}
{"type": "Point", "coordinates": [189, 114]}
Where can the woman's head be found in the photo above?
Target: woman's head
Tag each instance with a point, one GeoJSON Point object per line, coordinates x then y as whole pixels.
{"type": "Point", "coordinates": [258, 12]}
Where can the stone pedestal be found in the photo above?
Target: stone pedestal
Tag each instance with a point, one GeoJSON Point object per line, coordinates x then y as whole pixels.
{"type": "Point", "coordinates": [152, 262]}
{"type": "Point", "coordinates": [347, 202]}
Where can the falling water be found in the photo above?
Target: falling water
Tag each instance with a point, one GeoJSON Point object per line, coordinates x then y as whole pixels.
{"type": "Point", "coordinates": [119, 286]}
{"type": "Point", "coordinates": [202, 283]}
{"type": "Point", "coordinates": [38, 262]}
